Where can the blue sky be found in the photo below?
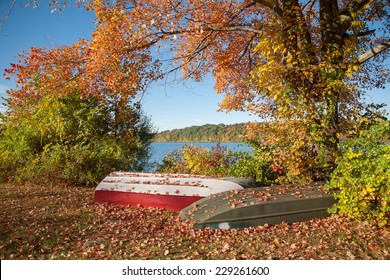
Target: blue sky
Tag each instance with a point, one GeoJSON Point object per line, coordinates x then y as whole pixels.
{"type": "Point", "coordinates": [169, 105]}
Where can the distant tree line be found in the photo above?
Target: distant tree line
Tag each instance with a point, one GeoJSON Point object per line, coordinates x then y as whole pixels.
{"type": "Point", "coordinates": [204, 133]}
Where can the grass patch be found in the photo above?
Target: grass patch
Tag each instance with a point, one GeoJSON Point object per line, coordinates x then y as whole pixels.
{"type": "Point", "coordinates": [53, 222]}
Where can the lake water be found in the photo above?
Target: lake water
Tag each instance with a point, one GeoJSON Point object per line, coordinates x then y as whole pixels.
{"type": "Point", "coordinates": [160, 149]}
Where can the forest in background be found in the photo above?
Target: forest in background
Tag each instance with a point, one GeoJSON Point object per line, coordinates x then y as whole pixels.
{"type": "Point", "coordinates": [204, 133]}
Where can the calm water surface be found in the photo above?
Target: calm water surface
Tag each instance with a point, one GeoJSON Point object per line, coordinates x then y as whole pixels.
{"type": "Point", "coordinates": [160, 149]}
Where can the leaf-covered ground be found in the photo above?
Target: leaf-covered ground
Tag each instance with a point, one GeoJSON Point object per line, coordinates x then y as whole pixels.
{"type": "Point", "coordinates": [40, 222]}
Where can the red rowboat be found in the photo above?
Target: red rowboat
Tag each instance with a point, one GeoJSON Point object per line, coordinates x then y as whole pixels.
{"type": "Point", "coordinates": [170, 191]}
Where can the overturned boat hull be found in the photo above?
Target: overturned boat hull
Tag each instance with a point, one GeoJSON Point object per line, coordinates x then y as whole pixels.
{"type": "Point", "coordinates": [175, 203]}
{"type": "Point", "coordinates": [259, 206]}
{"type": "Point", "coordinates": [170, 191]}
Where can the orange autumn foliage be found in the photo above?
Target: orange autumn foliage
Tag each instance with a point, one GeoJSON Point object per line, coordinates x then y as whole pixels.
{"type": "Point", "coordinates": [304, 63]}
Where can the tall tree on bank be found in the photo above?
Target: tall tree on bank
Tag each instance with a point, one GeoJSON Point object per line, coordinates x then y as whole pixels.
{"type": "Point", "coordinates": [67, 122]}
{"type": "Point", "coordinates": [302, 64]}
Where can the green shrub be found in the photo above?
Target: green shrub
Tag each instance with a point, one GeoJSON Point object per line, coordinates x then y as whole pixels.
{"type": "Point", "coordinates": [70, 140]}
{"type": "Point", "coordinates": [173, 162]}
{"type": "Point", "coordinates": [218, 162]}
{"type": "Point", "coordinates": [251, 166]}
{"type": "Point", "coordinates": [361, 181]}
{"type": "Point", "coordinates": [198, 160]}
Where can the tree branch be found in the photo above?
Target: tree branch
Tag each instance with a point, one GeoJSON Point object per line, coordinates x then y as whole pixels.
{"type": "Point", "coordinates": [273, 5]}
{"type": "Point", "coordinates": [353, 6]}
{"type": "Point", "coordinates": [374, 51]}
{"type": "Point", "coordinates": [345, 13]}
{"type": "Point", "coordinates": [365, 33]}
{"type": "Point", "coordinates": [6, 15]}
{"type": "Point", "coordinates": [234, 28]}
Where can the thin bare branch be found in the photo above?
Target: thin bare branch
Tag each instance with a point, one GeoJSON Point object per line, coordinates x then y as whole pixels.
{"type": "Point", "coordinates": [8, 12]}
{"type": "Point", "coordinates": [234, 28]}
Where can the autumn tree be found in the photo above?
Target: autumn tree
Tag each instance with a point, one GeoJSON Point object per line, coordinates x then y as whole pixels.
{"type": "Point", "coordinates": [67, 122]}
{"type": "Point", "coordinates": [302, 64]}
